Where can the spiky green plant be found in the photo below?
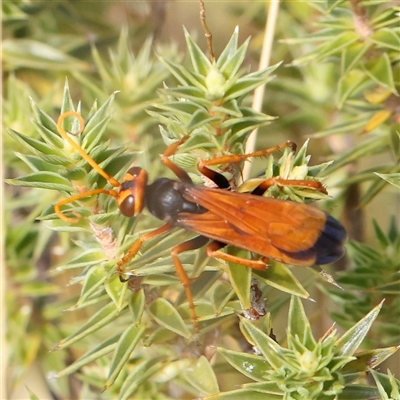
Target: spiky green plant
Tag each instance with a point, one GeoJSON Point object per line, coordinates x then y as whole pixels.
{"type": "Point", "coordinates": [306, 368]}
{"type": "Point", "coordinates": [363, 39]}
{"type": "Point", "coordinates": [379, 271]}
{"type": "Point", "coordinates": [137, 343]}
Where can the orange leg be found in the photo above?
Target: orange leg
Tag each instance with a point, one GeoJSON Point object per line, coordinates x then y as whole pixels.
{"type": "Point", "coordinates": [89, 193]}
{"type": "Point", "coordinates": [170, 151]}
{"type": "Point", "coordinates": [133, 250]}
{"type": "Point", "coordinates": [236, 158]}
{"type": "Point", "coordinates": [192, 244]}
{"type": "Point", "coordinates": [203, 165]}
{"type": "Point", "coordinates": [78, 148]}
{"type": "Point", "coordinates": [223, 183]}
{"type": "Point", "coordinates": [263, 186]}
{"type": "Point", "coordinates": [219, 179]}
{"type": "Point", "coordinates": [213, 251]}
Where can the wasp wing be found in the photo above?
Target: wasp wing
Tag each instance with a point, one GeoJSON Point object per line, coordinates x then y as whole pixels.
{"type": "Point", "coordinates": [290, 232]}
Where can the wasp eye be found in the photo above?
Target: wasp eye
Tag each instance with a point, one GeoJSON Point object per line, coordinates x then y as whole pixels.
{"type": "Point", "coordinates": [127, 206]}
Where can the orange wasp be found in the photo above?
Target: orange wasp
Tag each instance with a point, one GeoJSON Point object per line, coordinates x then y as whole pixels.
{"type": "Point", "coordinates": [286, 231]}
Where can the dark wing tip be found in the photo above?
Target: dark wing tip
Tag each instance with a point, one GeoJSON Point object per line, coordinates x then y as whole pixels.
{"type": "Point", "coordinates": [330, 245]}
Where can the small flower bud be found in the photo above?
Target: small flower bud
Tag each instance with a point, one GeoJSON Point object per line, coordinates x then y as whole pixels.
{"type": "Point", "coordinates": [308, 362]}
{"type": "Point", "coordinates": [215, 83]}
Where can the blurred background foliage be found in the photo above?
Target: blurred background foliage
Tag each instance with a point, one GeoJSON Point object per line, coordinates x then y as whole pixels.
{"type": "Point", "coordinates": [338, 85]}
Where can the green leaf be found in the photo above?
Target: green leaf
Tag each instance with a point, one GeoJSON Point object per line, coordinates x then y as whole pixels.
{"type": "Point", "coordinates": [393, 179]}
{"type": "Point", "coordinates": [393, 231]}
{"type": "Point", "coordinates": [248, 83]}
{"type": "Point", "coordinates": [46, 127]}
{"type": "Point", "coordinates": [248, 122]}
{"type": "Point", "coordinates": [372, 146]}
{"type": "Point", "coordinates": [137, 302]}
{"type": "Point", "coordinates": [97, 124]}
{"type": "Point", "coordinates": [332, 4]}
{"type": "Point", "coordinates": [191, 93]}
{"type": "Point", "coordinates": [220, 295]}
{"type": "Point", "coordinates": [359, 392]}
{"type": "Point", "coordinates": [348, 84]}
{"type": "Point", "coordinates": [201, 64]}
{"type": "Point", "coordinates": [230, 108]}
{"type": "Point", "coordinates": [298, 324]}
{"type": "Point", "coordinates": [252, 366]}
{"type": "Point", "coordinates": [331, 46]}
{"type": "Point", "coordinates": [386, 38]}
{"type": "Point", "coordinates": [368, 359]}
{"type": "Point", "coordinates": [351, 340]}
{"type": "Point", "coordinates": [248, 119]}
{"type": "Point", "coordinates": [140, 373]}
{"type": "Point", "coordinates": [354, 124]}
{"type": "Point", "coordinates": [85, 259]}
{"type": "Point", "coordinates": [201, 376]}
{"type": "Point", "coordinates": [18, 53]}
{"type": "Point", "coordinates": [167, 316]}
{"type": "Point", "coordinates": [43, 180]}
{"type": "Point", "coordinates": [99, 351]}
{"type": "Point", "coordinates": [173, 369]}
{"type": "Point", "coordinates": [39, 289]}
{"type": "Point", "coordinates": [160, 335]}
{"type": "Point", "coordinates": [232, 64]}
{"type": "Point", "coordinates": [374, 188]}
{"type": "Point", "coordinates": [39, 148]}
{"type": "Point", "coordinates": [11, 13]}
{"type": "Point", "coordinates": [53, 222]}
{"type": "Point", "coordinates": [240, 278]}
{"type": "Point", "coordinates": [67, 103]}
{"type": "Point", "coordinates": [199, 118]}
{"type": "Point", "coordinates": [32, 396]}
{"type": "Point", "coordinates": [126, 344]}
{"type": "Point", "coordinates": [37, 163]}
{"type": "Point", "coordinates": [229, 50]}
{"type": "Point", "coordinates": [103, 317]}
{"type": "Point", "coordinates": [387, 385]}
{"type": "Point", "coordinates": [245, 393]}
{"type": "Point", "coordinates": [381, 71]}
{"type": "Point", "coordinates": [186, 108]}
{"type": "Point", "coordinates": [267, 346]}
{"type": "Point", "coordinates": [279, 276]}
{"type": "Point", "coordinates": [116, 290]}
{"type": "Point", "coordinates": [352, 55]}
{"type": "Point", "coordinates": [184, 76]}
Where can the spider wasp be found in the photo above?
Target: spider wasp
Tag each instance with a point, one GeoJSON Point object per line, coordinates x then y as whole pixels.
{"type": "Point", "coordinates": [287, 231]}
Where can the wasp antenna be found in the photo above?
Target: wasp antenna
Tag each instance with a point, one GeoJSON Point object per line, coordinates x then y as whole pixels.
{"type": "Point", "coordinates": [65, 134]}
{"type": "Point", "coordinates": [89, 193]}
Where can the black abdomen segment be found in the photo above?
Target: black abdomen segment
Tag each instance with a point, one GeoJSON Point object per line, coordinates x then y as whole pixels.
{"type": "Point", "coordinates": [329, 247]}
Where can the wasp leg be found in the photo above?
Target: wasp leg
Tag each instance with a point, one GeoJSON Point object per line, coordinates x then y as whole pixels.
{"type": "Point", "coordinates": [132, 251]}
{"type": "Point", "coordinates": [265, 185]}
{"type": "Point", "coordinates": [215, 176]}
{"type": "Point", "coordinates": [219, 179]}
{"type": "Point", "coordinates": [213, 251]}
{"type": "Point", "coordinates": [191, 244]}
{"type": "Point", "coordinates": [170, 151]}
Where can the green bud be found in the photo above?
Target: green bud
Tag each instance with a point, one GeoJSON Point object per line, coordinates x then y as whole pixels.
{"type": "Point", "coordinates": [215, 83]}
{"type": "Point", "coordinates": [308, 362]}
